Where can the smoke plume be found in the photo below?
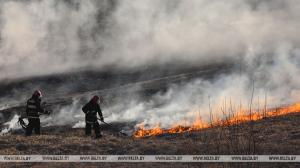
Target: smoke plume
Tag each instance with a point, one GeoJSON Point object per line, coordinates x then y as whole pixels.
{"type": "Point", "coordinates": [258, 38]}
{"type": "Point", "coordinates": [48, 37]}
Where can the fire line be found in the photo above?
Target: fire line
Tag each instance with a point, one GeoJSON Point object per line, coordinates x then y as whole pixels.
{"type": "Point", "coordinates": [240, 116]}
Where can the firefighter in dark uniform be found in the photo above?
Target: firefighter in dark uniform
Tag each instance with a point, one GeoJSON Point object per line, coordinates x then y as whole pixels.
{"type": "Point", "coordinates": [33, 109]}
{"type": "Point", "coordinates": [91, 109]}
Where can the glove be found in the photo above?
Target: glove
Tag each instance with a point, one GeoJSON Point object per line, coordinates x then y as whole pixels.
{"type": "Point", "coordinates": [49, 112]}
{"type": "Point", "coordinates": [101, 118]}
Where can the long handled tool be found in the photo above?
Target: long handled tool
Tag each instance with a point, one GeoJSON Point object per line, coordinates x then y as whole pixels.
{"type": "Point", "coordinates": [22, 123]}
{"type": "Point", "coordinates": [113, 128]}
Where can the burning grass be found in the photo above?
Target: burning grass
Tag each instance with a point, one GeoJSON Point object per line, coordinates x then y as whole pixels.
{"type": "Point", "coordinates": [239, 116]}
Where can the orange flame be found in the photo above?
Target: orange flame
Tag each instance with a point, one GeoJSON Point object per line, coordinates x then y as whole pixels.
{"type": "Point", "coordinates": [239, 117]}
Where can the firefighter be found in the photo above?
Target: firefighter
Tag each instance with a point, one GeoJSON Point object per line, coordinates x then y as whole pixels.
{"type": "Point", "coordinates": [91, 109]}
{"type": "Point", "coordinates": [33, 109]}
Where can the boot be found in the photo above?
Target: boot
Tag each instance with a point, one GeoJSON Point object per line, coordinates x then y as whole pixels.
{"type": "Point", "coordinates": [99, 136]}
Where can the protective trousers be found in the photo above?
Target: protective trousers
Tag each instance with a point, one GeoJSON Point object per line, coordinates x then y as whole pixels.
{"type": "Point", "coordinates": [96, 127]}
{"type": "Point", "coordinates": [33, 123]}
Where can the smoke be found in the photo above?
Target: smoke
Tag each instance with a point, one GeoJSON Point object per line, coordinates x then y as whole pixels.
{"type": "Point", "coordinates": [275, 83]}
{"type": "Point", "coordinates": [48, 37]}
{"type": "Point", "coordinates": [258, 37]}
{"type": "Point", "coordinates": [11, 125]}
{"type": "Point", "coordinates": [69, 114]}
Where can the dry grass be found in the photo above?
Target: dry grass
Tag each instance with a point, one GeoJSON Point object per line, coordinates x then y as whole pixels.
{"type": "Point", "coordinates": [279, 135]}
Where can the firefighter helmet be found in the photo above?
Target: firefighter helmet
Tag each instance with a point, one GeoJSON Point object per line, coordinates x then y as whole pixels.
{"type": "Point", "coordinates": [37, 93]}
{"type": "Point", "coordinates": [96, 98]}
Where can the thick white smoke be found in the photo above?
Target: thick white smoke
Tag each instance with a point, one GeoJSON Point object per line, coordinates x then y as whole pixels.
{"type": "Point", "coordinates": [50, 36]}
{"type": "Point", "coordinates": [276, 84]}
{"type": "Point", "coordinates": [259, 37]}
{"type": "Point", "coordinates": [9, 126]}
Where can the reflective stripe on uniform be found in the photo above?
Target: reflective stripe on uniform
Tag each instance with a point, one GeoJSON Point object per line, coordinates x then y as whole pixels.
{"type": "Point", "coordinates": [90, 111]}
{"type": "Point", "coordinates": [91, 122]}
{"type": "Point", "coordinates": [31, 106]}
{"type": "Point", "coordinates": [33, 117]}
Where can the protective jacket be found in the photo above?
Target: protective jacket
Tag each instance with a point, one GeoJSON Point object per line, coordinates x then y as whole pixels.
{"type": "Point", "coordinates": [33, 107]}
{"type": "Point", "coordinates": [91, 109]}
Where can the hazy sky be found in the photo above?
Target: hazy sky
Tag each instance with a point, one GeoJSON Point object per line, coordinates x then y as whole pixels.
{"type": "Point", "coordinates": [54, 36]}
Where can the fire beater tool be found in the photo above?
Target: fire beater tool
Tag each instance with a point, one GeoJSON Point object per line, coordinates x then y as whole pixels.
{"type": "Point", "coordinates": [113, 127]}
{"type": "Point", "coordinates": [22, 123]}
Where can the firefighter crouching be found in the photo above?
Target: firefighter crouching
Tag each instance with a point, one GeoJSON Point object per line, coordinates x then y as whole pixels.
{"type": "Point", "coordinates": [91, 109]}
{"type": "Point", "coordinates": [33, 109]}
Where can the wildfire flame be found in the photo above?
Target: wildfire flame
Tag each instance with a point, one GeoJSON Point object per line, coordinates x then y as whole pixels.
{"type": "Point", "coordinates": [239, 117]}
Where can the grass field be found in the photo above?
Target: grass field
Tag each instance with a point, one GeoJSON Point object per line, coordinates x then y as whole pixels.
{"type": "Point", "coordinates": [278, 135]}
